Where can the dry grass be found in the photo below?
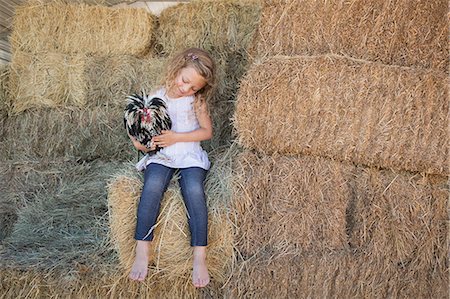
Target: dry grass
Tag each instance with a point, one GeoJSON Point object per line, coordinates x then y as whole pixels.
{"type": "Point", "coordinates": [346, 109]}
{"type": "Point", "coordinates": [402, 217]}
{"type": "Point", "coordinates": [220, 27]}
{"type": "Point", "coordinates": [56, 26]}
{"type": "Point", "coordinates": [397, 32]}
{"type": "Point", "coordinates": [336, 275]}
{"type": "Point", "coordinates": [309, 227]}
{"type": "Point", "coordinates": [61, 80]}
{"type": "Point", "coordinates": [63, 223]}
{"type": "Point", "coordinates": [290, 205]}
{"type": "Point", "coordinates": [69, 134]}
{"type": "Point", "coordinates": [5, 98]}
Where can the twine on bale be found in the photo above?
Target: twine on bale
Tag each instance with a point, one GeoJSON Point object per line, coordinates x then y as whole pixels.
{"type": "Point", "coordinates": [346, 109]}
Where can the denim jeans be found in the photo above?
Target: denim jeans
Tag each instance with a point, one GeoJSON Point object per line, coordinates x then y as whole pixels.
{"type": "Point", "coordinates": [156, 181]}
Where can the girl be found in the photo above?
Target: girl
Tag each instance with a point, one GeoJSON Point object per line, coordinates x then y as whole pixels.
{"type": "Point", "coordinates": [187, 86]}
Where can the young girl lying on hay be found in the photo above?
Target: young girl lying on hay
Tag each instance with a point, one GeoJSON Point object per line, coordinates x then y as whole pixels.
{"type": "Point", "coordinates": [187, 88]}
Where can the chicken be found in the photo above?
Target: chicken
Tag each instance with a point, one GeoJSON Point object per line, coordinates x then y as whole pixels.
{"type": "Point", "coordinates": [145, 118]}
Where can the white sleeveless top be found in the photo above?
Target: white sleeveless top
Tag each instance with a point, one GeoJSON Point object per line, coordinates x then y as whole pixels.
{"type": "Point", "coordinates": [180, 154]}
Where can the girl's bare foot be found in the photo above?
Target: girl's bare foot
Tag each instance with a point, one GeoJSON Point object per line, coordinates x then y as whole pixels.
{"type": "Point", "coordinates": [140, 266]}
{"type": "Point", "coordinates": [200, 275]}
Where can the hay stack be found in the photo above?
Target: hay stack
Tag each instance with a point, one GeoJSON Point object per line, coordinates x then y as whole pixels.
{"type": "Point", "coordinates": [309, 227]}
{"type": "Point", "coordinates": [40, 27]}
{"type": "Point", "coordinates": [61, 80]}
{"type": "Point", "coordinates": [220, 27]}
{"type": "Point", "coordinates": [76, 135]}
{"type": "Point", "coordinates": [331, 106]}
{"type": "Point", "coordinates": [397, 32]}
{"type": "Point", "coordinates": [171, 253]}
{"type": "Point", "coordinates": [5, 98]}
{"type": "Point", "coordinates": [290, 205]}
{"type": "Point", "coordinates": [62, 226]}
{"type": "Point", "coordinates": [48, 80]}
{"type": "Point", "coordinates": [402, 217]}
{"type": "Point", "coordinates": [336, 275]}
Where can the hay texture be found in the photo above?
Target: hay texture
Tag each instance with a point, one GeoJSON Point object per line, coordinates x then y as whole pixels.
{"type": "Point", "coordinates": [220, 27]}
{"type": "Point", "coordinates": [336, 275]}
{"type": "Point", "coordinates": [290, 205]}
{"type": "Point", "coordinates": [310, 227]}
{"type": "Point", "coordinates": [397, 32]}
{"type": "Point", "coordinates": [62, 226]}
{"type": "Point", "coordinates": [402, 217]}
{"type": "Point", "coordinates": [54, 26]}
{"type": "Point", "coordinates": [62, 80]}
{"type": "Point", "coordinates": [171, 254]}
{"type": "Point", "coordinates": [5, 97]}
{"type": "Point", "coordinates": [69, 134]}
{"type": "Point", "coordinates": [59, 243]}
{"type": "Point", "coordinates": [331, 106]}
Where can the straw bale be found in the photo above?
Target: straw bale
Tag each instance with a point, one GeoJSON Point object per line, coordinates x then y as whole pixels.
{"type": "Point", "coordinates": [216, 26]}
{"type": "Point", "coordinates": [5, 98]}
{"type": "Point", "coordinates": [291, 204]}
{"type": "Point", "coordinates": [112, 78]}
{"type": "Point", "coordinates": [367, 113]}
{"type": "Point", "coordinates": [61, 80]}
{"type": "Point", "coordinates": [19, 184]}
{"type": "Point", "coordinates": [171, 254]}
{"type": "Point", "coordinates": [397, 32]}
{"type": "Point", "coordinates": [336, 275]}
{"type": "Point", "coordinates": [55, 26]}
{"type": "Point", "coordinates": [401, 216]}
{"type": "Point", "coordinates": [64, 227]}
{"type": "Point", "coordinates": [77, 135]}
{"type": "Point", "coordinates": [47, 80]}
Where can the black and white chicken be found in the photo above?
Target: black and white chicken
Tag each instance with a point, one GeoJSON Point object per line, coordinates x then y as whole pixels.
{"type": "Point", "coordinates": [145, 118]}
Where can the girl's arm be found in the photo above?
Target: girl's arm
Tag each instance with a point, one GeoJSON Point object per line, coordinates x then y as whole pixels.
{"type": "Point", "coordinates": [203, 133]}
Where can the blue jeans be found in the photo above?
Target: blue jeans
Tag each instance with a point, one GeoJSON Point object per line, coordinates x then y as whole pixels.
{"type": "Point", "coordinates": [156, 181]}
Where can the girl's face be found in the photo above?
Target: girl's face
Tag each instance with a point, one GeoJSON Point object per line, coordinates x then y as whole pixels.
{"type": "Point", "coordinates": [187, 83]}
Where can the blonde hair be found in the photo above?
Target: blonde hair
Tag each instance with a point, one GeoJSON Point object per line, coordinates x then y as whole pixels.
{"type": "Point", "coordinates": [202, 62]}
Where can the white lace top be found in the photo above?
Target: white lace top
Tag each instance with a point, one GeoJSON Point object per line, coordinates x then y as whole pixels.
{"type": "Point", "coordinates": [180, 154]}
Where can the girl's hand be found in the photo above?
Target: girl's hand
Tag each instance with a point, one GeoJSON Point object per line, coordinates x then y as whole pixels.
{"type": "Point", "coordinates": [166, 138]}
{"type": "Point", "coordinates": [139, 146]}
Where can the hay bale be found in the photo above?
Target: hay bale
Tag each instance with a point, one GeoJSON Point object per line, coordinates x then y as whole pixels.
{"type": "Point", "coordinates": [219, 27]}
{"type": "Point", "coordinates": [66, 226]}
{"type": "Point", "coordinates": [331, 106]}
{"type": "Point", "coordinates": [75, 134]}
{"type": "Point", "coordinates": [171, 254]}
{"type": "Point", "coordinates": [398, 32]}
{"type": "Point", "coordinates": [5, 98]}
{"type": "Point", "coordinates": [47, 80]}
{"type": "Point", "coordinates": [55, 26]}
{"type": "Point", "coordinates": [61, 80]}
{"type": "Point", "coordinates": [112, 78]}
{"type": "Point", "coordinates": [291, 205]}
{"type": "Point", "coordinates": [402, 217]}
{"type": "Point", "coordinates": [336, 275]}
